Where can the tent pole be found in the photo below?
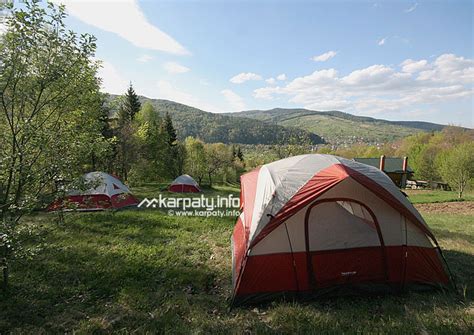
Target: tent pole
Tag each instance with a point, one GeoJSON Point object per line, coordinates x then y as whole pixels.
{"type": "Point", "coordinates": [293, 259]}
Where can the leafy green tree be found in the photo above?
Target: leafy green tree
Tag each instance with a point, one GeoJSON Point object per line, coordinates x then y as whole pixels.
{"type": "Point", "coordinates": [292, 145]}
{"type": "Point", "coordinates": [219, 156]}
{"type": "Point", "coordinates": [196, 160]}
{"type": "Point", "coordinates": [102, 159]}
{"type": "Point", "coordinates": [152, 144]}
{"type": "Point", "coordinates": [425, 162]}
{"type": "Point", "coordinates": [456, 166]}
{"type": "Point", "coordinates": [49, 105]}
{"type": "Point", "coordinates": [127, 146]}
{"type": "Point", "coordinates": [421, 155]}
{"type": "Point", "coordinates": [180, 159]}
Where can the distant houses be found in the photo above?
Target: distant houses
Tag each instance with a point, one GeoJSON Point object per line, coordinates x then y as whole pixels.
{"type": "Point", "coordinates": [396, 168]}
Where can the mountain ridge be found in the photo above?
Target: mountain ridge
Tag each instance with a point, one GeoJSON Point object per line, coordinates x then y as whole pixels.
{"type": "Point", "coordinates": [339, 127]}
{"type": "Point", "coordinates": [285, 125]}
{"type": "Point", "coordinates": [220, 127]}
{"type": "Point", "coordinates": [414, 124]}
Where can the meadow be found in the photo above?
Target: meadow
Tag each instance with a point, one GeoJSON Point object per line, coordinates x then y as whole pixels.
{"type": "Point", "coordinates": [142, 271]}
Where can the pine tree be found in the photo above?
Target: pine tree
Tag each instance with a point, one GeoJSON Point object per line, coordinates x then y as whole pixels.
{"type": "Point", "coordinates": [130, 106]}
{"type": "Point", "coordinates": [240, 154]}
{"type": "Point", "coordinates": [170, 130]}
{"type": "Point", "coordinates": [104, 119]}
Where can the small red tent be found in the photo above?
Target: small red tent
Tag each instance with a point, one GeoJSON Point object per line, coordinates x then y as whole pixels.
{"type": "Point", "coordinates": [184, 184]}
{"type": "Point", "coordinates": [311, 224]}
{"type": "Point", "coordinates": [103, 192]}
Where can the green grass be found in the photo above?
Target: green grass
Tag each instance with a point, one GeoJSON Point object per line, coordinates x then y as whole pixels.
{"type": "Point", "coordinates": [152, 190]}
{"type": "Point", "coordinates": [142, 271]}
{"type": "Point", "coordinates": [431, 196]}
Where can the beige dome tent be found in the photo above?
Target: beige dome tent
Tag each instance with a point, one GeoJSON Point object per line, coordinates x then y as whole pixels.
{"type": "Point", "coordinates": [317, 223]}
{"type": "Point", "coordinates": [184, 184]}
{"type": "Point", "coordinates": [105, 192]}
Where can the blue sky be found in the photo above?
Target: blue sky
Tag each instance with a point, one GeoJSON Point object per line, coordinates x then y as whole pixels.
{"type": "Point", "coordinates": [398, 60]}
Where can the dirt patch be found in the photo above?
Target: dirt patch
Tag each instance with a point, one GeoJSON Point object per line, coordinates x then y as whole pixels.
{"type": "Point", "coordinates": [458, 207]}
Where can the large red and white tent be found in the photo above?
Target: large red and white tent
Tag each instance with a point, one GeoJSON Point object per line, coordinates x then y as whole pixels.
{"type": "Point", "coordinates": [184, 184]}
{"type": "Point", "coordinates": [103, 191]}
{"type": "Point", "coordinates": [317, 223]}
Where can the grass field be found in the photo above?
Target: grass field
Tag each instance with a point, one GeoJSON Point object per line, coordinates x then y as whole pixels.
{"type": "Point", "coordinates": [144, 271]}
{"type": "Point", "coordinates": [429, 196]}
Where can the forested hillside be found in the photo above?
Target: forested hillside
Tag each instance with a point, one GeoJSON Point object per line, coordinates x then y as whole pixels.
{"type": "Point", "coordinates": [338, 127]}
{"type": "Point", "coordinates": [224, 128]}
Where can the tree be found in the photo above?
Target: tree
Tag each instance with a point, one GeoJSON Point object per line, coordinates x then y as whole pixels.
{"type": "Point", "coordinates": [421, 153]}
{"type": "Point", "coordinates": [101, 159]}
{"type": "Point", "coordinates": [126, 149]}
{"type": "Point", "coordinates": [196, 162]}
{"type": "Point", "coordinates": [174, 156]}
{"type": "Point", "coordinates": [130, 106]}
{"type": "Point", "coordinates": [150, 164]}
{"type": "Point", "coordinates": [170, 130]}
{"type": "Point", "coordinates": [218, 157]}
{"type": "Point", "coordinates": [180, 160]}
{"type": "Point", "coordinates": [425, 162]}
{"type": "Point", "coordinates": [456, 166]}
{"type": "Point", "coordinates": [292, 146]}
{"type": "Point", "coordinates": [240, 154]}
{"type": "Point", "coordinates": [49, 105]}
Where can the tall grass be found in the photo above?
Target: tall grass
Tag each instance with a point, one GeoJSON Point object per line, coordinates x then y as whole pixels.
{"type": "Point", "coordinates": [146, 272]}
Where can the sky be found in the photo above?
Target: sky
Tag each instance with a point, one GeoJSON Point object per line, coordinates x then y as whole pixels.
{"type": "Point", "coordinates": [395, 60]}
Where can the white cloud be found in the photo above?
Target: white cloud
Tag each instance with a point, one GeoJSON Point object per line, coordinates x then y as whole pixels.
{"type": "Point", "coordinates": [375, 75]}
{"type": "Point", "coordinates": [245, 76]}
{"type": "Point", "coordinates": [412, 8]}
{"type": "Point", "coordinates": [235, 101]}
{"type": "Point", "coordinates": [126, 19]}
{"type": "Point", "coordinates": [449, 68]}
{"type": "Point", "coordinates": [175, 68]}
{"type": "Point", "coordinates": [380, 88]}
{"type": "Point", "coordinates": [144, 58]}
{"type": "Point", "coordinates": [325, 56]}
{"type": "Point", "coordinates": [112, 80]}
{"type": "Point", "coordinates": [412, 66]}
{"type": "Point", "coordinates": [382, 41]}
{"type": "Point", "coordinates": [271, 81]}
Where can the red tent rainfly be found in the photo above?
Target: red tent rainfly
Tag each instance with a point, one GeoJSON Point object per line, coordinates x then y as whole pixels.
{"type": "Point", "coordinates": [105, 192]}
{"type": "Point", "coordinates": [313, 224]}
{"type": "Point", "coordinates": [184, 184]}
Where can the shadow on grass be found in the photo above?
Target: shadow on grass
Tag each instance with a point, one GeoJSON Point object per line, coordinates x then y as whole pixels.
{"type": "Point", "coordinates": [462, 267]}
{"type": "Point", "coordinates": [67, 286]}
{"type": "Point", "coordinates": [146, 272]}
{"type": "Point", "coordinates": [446, 234]}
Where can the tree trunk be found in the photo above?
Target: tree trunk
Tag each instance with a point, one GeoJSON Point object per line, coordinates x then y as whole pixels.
{"type": "Point", "coordinates": [5, 275]}
{"type": "Point", "coordinates": [210, 180]}
{"type": "Point", "coordinates": [93, 162]}
{"type": "Point", "coordinates": [4, 267]}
